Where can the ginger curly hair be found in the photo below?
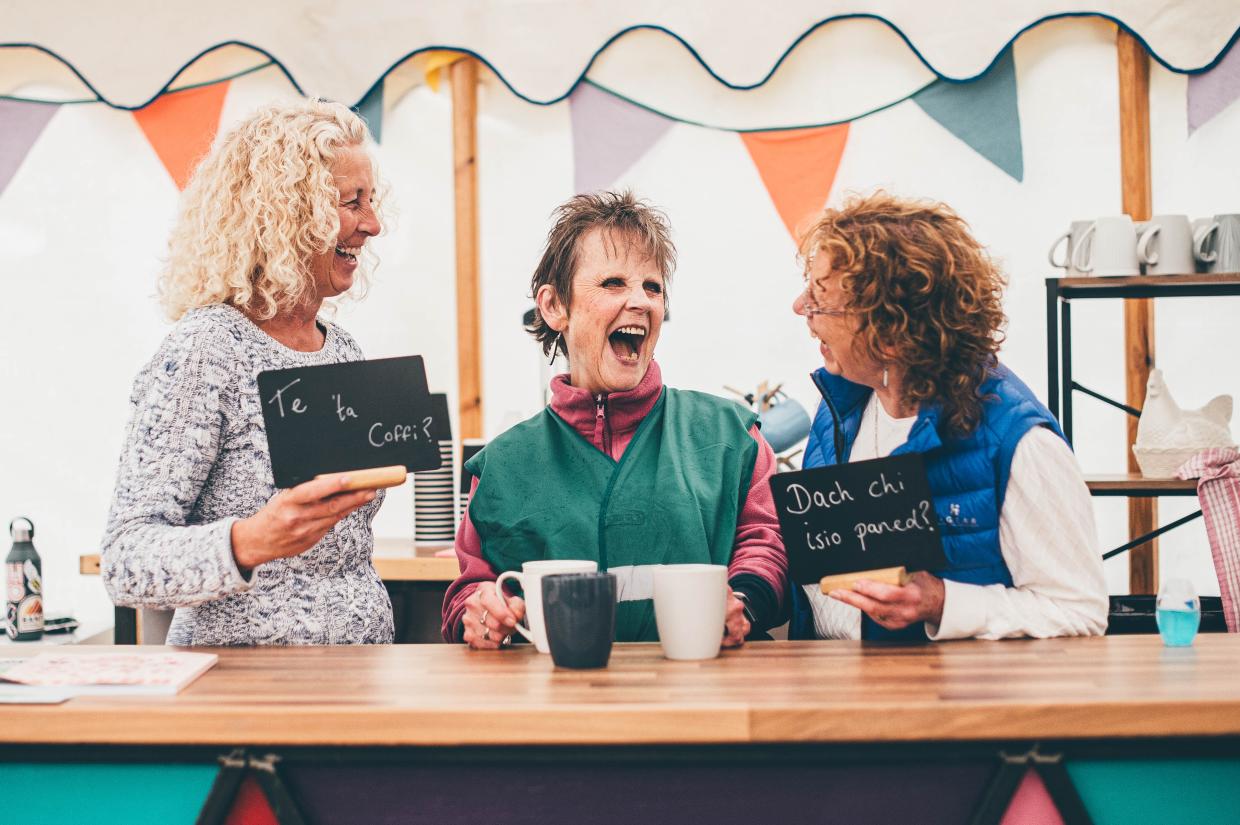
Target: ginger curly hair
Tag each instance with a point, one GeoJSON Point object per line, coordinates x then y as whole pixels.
{"type": "Point", "coordinates": [925, 292]}
{"type": "Point", "coordinates": [259, 207]}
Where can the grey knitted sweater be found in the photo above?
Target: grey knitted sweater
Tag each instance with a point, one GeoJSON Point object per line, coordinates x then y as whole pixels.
{"type": "Point", "coordinates": [195, 460]}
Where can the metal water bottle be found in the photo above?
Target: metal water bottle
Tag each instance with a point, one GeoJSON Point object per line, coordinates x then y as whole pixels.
{"type": "Point", "coordinates": [24, 583]}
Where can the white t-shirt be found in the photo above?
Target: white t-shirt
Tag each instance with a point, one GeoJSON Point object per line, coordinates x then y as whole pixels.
{"type": "Point", "coordinates": [1046, 535]}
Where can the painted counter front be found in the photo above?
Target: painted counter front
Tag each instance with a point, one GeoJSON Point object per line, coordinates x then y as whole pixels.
{"type": "Point", "coordinates": [1115, 729]}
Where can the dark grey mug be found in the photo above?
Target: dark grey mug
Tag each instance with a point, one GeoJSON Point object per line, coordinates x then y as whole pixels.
{"type": "Point", "coordinates": [579, 612]}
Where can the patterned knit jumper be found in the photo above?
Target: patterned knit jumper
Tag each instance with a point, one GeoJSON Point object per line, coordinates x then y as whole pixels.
{"type": "Point", "coordinates": [194, 461]}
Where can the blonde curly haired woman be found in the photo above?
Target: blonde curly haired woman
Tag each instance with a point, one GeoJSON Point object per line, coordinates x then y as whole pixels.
{"type": "Point", "coordinates": [272, 225]}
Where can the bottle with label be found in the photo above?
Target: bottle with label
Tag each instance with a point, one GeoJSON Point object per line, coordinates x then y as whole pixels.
{"type": "Point", "coordinates": [24, 583]}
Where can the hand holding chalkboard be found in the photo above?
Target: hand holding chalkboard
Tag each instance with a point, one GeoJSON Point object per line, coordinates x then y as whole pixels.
{"type": "Point", "coordinates": [295, 520]}
{"type": "Point", "coordinates": [349, 417]}
{"type": "Point", "coordinates": [866, 516]}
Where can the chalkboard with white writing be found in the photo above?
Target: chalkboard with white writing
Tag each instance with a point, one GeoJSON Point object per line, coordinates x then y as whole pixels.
{"type": "Point", "coordinates": [854, 517]}
{"type": "Point", "coordinates": [351, 416]}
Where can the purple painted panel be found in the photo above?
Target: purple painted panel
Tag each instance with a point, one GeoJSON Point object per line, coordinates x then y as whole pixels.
{"type": "Point", "coordinates": [651, 793]}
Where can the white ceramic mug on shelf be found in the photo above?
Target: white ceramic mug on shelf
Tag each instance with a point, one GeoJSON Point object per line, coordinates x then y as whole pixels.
{"type": "Point", "coordinates": [1108, 247]}
{"type": "Point", "coordinates": [530, 578]}
{"type": "Point", "coordinates": [1071, 241]}
{"type": "Point", "coordinates": [690, 603]}
{"type": "Point", "coordinates": [1166, 246]}
{"type": "Point", "coordinates": [1217, 245]}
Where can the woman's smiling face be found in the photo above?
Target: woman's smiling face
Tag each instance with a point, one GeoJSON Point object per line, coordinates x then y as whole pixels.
{"type": "Point", "coordinates": [333, 270]}
{"type": "Point", "coordinates": [616, 313]}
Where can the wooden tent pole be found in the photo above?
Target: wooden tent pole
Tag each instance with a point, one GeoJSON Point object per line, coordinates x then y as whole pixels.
{"type": "Point", "coordinates": [1134, 137]}
{"type": "Point", "coordinates": [464, 79]}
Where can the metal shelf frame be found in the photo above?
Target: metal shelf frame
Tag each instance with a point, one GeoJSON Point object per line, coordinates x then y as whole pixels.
{"type": "Point", "coordinates": [1060, 292]}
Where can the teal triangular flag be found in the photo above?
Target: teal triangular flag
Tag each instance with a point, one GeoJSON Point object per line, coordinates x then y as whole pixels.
{"type": "Point", "coordinates": [371, 110]}
{"type": "Point", "coordinates": [983, 113]}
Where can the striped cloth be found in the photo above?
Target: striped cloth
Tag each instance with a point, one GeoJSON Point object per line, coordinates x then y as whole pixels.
{"type": "Point", "coordinates": [1217, 471]}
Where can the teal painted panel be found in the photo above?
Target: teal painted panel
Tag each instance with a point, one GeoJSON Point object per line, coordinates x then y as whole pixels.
{"type": "Point", "coordinates": [1180, 790]}
{"type": "Point", "coordinates": [73, 794]}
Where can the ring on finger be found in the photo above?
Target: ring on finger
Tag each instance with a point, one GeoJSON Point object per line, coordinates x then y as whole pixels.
{"type": "Point", "coordinates": [486, 634]}
{"type": "Point", "coordinates": [485, 613]}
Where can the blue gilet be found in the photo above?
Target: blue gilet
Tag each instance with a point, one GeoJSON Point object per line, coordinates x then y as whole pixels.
{"type": "Point", "coordinates": [968, 478]}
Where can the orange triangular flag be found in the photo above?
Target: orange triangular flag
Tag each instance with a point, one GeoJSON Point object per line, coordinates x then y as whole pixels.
{"type": "Point", "coordinates": [181, 126]}
{"type": "Point", "coordinates": [798, 167]}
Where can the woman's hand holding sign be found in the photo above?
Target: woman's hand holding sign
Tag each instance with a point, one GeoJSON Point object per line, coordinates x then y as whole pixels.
{"type": "Point", "coordinates": [294, 520]}
{"type": "Point", "coordinates": [895, 608]}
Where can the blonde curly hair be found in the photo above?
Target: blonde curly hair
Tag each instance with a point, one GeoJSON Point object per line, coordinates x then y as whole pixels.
{"type": "Point", "coordinates": [258, 209]}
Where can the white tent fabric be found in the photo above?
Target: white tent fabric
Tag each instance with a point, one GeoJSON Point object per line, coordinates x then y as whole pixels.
{"type": "Point", "coordinates": [540, 48]}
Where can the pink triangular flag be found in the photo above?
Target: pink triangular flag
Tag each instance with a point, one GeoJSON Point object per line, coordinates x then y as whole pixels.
{"type": "Point", "coordinates": [1032, 804]}
{"type": "Point", "coordinates": [21, 123]}
{"type": "Point", "coordinates": [1211, 92]}
{"type": "Point", "coordinates": [609, 135]}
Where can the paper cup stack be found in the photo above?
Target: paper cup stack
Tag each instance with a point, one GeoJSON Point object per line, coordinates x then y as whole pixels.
{"type": "Point", "coordinates": [434, 501]}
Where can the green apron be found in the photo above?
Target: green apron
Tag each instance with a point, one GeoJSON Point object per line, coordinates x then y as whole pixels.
{"type": "Point", "coordinates": [545, 492]}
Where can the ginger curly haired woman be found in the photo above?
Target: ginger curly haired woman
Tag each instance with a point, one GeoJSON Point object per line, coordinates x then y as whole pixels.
{"type": "Point", "coordinates": [907, 309]}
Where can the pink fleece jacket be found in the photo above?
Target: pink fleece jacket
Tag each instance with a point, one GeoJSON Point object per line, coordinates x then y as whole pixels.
{"type": "Point", "coordinates": [757, 552]}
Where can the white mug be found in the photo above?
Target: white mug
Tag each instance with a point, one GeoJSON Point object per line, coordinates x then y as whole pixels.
{"type": "Point", "coordinates": [1108, 247]}
{"type": "Point", "coordinates": [1166, 246]}
{"type": "Point", "coordinates": [1217, 245]}
{"type": "Point", "coordinates": [690, 603]}
{"type": "Point", "coordinates": [1071, 241]}
{"type": "Point", "coordinates": [531, 582]}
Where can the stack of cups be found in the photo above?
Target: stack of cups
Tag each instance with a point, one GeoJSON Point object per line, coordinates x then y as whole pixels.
{"type": "Point", "coordinates": [434, 512]}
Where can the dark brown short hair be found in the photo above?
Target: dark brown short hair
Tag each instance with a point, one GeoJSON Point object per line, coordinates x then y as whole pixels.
{"type": "Point", "coordinates": [926, 292]}
{"type": "Point", "coordinates": [620, 215]}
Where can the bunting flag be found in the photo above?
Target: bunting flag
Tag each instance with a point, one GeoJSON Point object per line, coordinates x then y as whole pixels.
{"type": "Point", "coordinates": [1211, 92]}
{"type": "Point", "coordinates": [371, 110]}
{"type": "Point", "coordinates": [181, 125]}
{"type": "Point", "coordinates": [609, 135]}
{"type": "Point", "coordinates": [21, 124]}
{"type": "Point", "coordinates": [434, 63]}
{"type": "Point", "coordinates": [798, 167]}
{"type": "Point", "coordinates": [983, 113]}
{"type": "Point", "coordinates": [1032, 803]}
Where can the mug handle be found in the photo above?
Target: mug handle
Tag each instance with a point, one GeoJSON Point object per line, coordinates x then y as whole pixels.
{"type": "Point", "coordinates": [1199, 244]}
{"type": "Point", "coordinates": [1050, 256]}
{"type": "Point", "coordinates": [499, 590]}
{"type": "Point", "coordinates": [1078, 259]}
{"type": "Point", "coordinates": [1143, 246]}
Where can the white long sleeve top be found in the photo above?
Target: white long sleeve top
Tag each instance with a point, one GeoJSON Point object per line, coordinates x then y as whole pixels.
{"type": "Point", "coordinates": [1046, 535]}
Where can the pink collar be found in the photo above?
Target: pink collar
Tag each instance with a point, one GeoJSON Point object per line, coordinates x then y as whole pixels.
{"type": "Point", "coordinates": [625, 410]}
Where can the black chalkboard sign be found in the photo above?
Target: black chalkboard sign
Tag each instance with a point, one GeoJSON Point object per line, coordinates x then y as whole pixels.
{"type": "Point", "coordinates": [351, 416]}
{"type": "Point", "coordinates": [853, 517]}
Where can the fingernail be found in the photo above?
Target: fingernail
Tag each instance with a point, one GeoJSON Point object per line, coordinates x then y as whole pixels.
{"type": "Point", "coordinates": [511, 622]}
{"type": "Point", "coordinates": [835, 594]}
{"type": "Point", "coordinates": [370, 496]}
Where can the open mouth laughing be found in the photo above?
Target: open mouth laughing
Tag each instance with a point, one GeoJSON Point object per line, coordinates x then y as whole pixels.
{"type": "Point", "coordinates": [626, 342]}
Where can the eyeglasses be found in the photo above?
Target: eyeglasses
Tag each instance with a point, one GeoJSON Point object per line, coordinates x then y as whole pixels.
{"type": "Point", "coordinates": [809, 309]}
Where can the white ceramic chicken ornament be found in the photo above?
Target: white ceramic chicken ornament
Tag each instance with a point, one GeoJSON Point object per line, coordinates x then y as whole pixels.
{"type": "Point", "coordinates": [1164, 425]}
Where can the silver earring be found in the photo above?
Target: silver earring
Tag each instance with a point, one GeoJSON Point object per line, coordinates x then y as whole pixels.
{"type": "Point", "coordinates": [884, 378]}
{"type": "Point", "coordinates": [555, 349]}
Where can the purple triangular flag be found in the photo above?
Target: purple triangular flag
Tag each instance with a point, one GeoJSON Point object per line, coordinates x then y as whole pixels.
{"type": "Point", "coordinates": [1210, 92]}
{"type": "Point", "coordinates": [609, 135]}
{"type": "Point", "coordinates": [21, 123]}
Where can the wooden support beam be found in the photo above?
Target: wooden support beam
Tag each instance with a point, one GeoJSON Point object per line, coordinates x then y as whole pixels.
{"type": "Point", "coordinates": [1134, 138]}
{"type": "Point", "coordinates": [464, 74]}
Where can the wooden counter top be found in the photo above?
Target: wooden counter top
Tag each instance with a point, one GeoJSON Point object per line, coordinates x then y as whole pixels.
{"type": "Point", "coordinates": [395, 559]}
{"type": "Point", "coordinates": [1125, 686]}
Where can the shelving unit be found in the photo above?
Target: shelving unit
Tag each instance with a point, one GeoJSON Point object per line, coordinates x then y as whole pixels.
{"type": "Point", "coordinates": [1060, 292]}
